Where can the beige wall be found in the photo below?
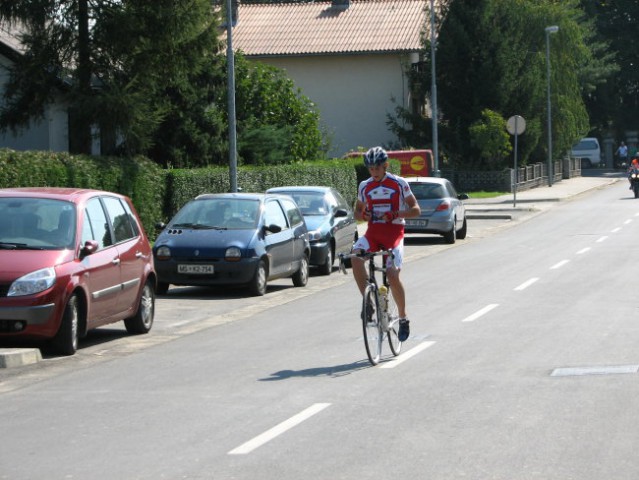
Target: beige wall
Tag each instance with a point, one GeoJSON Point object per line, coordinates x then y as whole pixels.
{"type": "Point", "coordinates": [353, 94]}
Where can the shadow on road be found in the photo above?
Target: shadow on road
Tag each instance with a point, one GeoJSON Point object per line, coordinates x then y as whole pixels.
{"type": "Point", "coordinates": [419, 239]}
{"type": "Point", "coordinates": [333, 371]}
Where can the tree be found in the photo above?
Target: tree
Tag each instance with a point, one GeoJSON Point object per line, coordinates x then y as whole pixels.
{"type": "Point", "coordinates": [167, 85]}
{"type": "Point", "coordinates": [491, 55]}
{"type": "Point", "coordinates": [613, 104]}
{"type": "Point", "coordinates": [143, 72]}
{"type": "Point", "coordinates": [490, 138]}
{"type": "Point", "coordinates": [276, 123]}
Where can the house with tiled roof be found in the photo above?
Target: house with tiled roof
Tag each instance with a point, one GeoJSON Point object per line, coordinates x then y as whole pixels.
{"type": "Point", "coordinates": [49, 133]}
{"type": "Point", "coordinates": [349, 57]}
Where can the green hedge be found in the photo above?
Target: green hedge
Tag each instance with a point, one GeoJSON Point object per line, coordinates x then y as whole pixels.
{"type": "Point", "coordinates": [140, 179]}
{"type": "Point", "coordinates": [157, 193]}
{"type": "Point", "coordinates": [183, 185]}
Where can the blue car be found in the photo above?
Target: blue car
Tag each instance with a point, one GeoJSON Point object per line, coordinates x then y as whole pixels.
{"type": "Point", "coordinates": [233, 239]}
{"type": "Point", "coordinates": [330, 222]}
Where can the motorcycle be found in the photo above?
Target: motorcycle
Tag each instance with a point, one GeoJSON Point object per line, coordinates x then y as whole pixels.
{"type": "Point", "coordinates": [633, 176]}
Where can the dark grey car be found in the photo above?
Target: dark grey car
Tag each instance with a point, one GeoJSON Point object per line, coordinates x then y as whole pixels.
{"type": "Point", "coordinates": [330, 221]}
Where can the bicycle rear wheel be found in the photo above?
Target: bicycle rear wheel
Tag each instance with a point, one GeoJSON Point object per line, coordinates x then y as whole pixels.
{"type": "Point", "coordinates": [373, 334]}
{"type": "Point", "coordinates": [393, 324]}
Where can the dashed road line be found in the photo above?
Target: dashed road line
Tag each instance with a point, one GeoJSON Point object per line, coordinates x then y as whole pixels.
{"type": "Point", "coordinates": [278, 430]}
{"type": "Point", "coordinates": [602, 239]}
{"type": "Point", "coordinates": [406, 355]}
{"type": "Point", "coordinates": [526, 284]}
{"type": "Point", "coordinates": [559, 264]}
{"type": "Point", "coordinates": [480, 313]}
{"type": "Point", "coordinates": [583, 250]}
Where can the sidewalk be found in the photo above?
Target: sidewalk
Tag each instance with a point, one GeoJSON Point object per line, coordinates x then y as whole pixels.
{"type": "Point", "coordinates": [537, 199]}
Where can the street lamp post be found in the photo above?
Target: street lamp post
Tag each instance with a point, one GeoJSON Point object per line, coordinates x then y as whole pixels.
{"type": "Point", "coordinates": [549, 30]}
{"type": "Point", "coordinates": [433, 89]}
{"type": "Point", "coordinates": [230, 67]}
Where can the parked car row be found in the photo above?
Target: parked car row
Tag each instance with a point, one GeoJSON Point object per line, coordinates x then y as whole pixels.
{"type": "Point", "coordinates": [76, 259]}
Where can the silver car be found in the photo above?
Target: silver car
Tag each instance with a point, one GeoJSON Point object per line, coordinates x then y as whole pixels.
{"type": "Point", "coordinates": [443, 211]}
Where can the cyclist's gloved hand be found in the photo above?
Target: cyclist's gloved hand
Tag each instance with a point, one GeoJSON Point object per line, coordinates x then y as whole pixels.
{"type": "Point", "coordinates": [390, 216]}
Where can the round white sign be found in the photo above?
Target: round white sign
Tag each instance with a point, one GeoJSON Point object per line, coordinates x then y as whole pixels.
{"type": "Point", "coordinates": [516, 125]}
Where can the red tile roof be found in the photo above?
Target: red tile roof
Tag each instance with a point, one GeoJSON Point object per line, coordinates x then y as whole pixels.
{"type": "Point", "coordinates": [366, 26]}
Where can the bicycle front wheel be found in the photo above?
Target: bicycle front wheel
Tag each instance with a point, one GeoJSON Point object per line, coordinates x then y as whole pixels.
{"type": "Point", "coordinates": [393, 324]}
{"type": "Point", "coordinates": [373, 334]}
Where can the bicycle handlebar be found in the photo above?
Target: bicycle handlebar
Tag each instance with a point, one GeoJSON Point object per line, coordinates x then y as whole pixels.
{"type": "Point", "coordinates": [368, 255]}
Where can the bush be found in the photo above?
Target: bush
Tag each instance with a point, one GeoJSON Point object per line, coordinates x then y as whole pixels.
{"type": "Point", "coordinates": [140, 179]}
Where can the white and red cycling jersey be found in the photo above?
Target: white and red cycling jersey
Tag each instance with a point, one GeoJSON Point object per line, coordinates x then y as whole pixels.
{"type": "Point", "coordinates": [387, 195]}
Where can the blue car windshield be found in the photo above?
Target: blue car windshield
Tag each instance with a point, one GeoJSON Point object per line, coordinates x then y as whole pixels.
{"type": "Point", "coordinates": [218, 213]}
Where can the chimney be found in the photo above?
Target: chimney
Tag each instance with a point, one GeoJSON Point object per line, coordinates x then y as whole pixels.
{"type": "Point", "coordinates": [223, 10]}
{"type": "Point", "coordinates": [234, 11]}
{"type": "Point", "coordinates": [341, 4]}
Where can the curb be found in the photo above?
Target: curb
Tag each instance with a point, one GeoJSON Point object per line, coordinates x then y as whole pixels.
{"type": "Point", "coordinates": [488, 216]}
{"type": "Point", "coordinates": [17, 357]}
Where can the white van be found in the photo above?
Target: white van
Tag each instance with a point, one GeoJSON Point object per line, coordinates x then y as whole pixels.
{"type": "Point", "coordinates": [589, 151]}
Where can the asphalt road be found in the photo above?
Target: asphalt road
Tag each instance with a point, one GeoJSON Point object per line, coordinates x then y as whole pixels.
{"type": "Point", "coordinates": [522, 364]}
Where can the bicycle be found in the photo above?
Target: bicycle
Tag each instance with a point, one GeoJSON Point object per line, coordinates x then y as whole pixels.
{"type": "Point", "coordinates": [380, 317]}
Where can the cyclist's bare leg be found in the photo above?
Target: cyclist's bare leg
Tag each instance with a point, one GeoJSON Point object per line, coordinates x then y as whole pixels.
{"type": "Point", "coordinates": [358, 266]}
{"type": "Point", "coordinates": [392, 273]}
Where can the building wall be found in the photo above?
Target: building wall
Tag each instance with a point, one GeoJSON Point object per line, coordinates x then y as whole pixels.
{"type": "Point", "coordinates": [353, 95]}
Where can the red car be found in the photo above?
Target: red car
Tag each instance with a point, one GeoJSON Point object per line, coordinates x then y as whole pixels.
{"type": "Point", "coordinates": [72, 260]}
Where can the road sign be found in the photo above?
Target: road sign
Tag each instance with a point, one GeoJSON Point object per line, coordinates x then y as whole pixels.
{"type": "Point", "coordinates": [516, 125]}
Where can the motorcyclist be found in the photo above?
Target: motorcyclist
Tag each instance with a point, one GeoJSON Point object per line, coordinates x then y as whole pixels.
{"type": "Point", "coordinates": [634, 167]}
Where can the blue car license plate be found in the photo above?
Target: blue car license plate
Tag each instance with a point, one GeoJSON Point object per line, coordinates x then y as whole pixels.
{"type": "Point", "coordinates": [195, 269]}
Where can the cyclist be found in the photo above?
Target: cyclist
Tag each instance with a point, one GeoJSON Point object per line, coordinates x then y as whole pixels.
{"type": "Point", "coordinates": [384, 201]}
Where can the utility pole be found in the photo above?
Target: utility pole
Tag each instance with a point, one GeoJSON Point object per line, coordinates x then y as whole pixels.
{"type": "Point", "coordinates": [551, 173]}
{"type": "Point", "coordinates": [433, 89]}
{"type": "Point", "coordinates": [230, 65]}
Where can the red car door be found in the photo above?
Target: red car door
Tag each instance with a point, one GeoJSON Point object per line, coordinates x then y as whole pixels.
{"type": "Point", "coordinates": [102, 268]}
{"type": "Point", "coordinates": [132, 253]}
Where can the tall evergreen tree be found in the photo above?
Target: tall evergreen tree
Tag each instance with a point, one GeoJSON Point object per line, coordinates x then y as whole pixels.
{"type": "Point", "coordinates": [143, 72]}
{"type": "Point", "coordinates": [55, 64]}
{"type": "Point", "coordinates": [491, 55]}
{"type": "Point", "coordinates": [613, 104]}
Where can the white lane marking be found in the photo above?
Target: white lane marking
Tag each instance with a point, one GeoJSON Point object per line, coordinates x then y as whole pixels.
{"type": "Point", "coordinates": [605, 370]}
{"type": "Point", "coordinates": [559, 265]}
{"type": "Point", "coordinates": [278, 429]}
{"type": "Point", "coordinates": [180, 324]}
{"type": "Point", "coordinates": [406, 355]}
{"type": "Point", "coordinates": [628, 221]}
{"type": "Point", "coordinates": [583, 250]}
{"type": "Point", "coordinates": [481, 312]}
{"type": "Point", "coordinates": [601, 239]}
{"type": "Point", "coordinates": [615, 230]}
{"type": "Point", "coordinates": [526, 284]}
